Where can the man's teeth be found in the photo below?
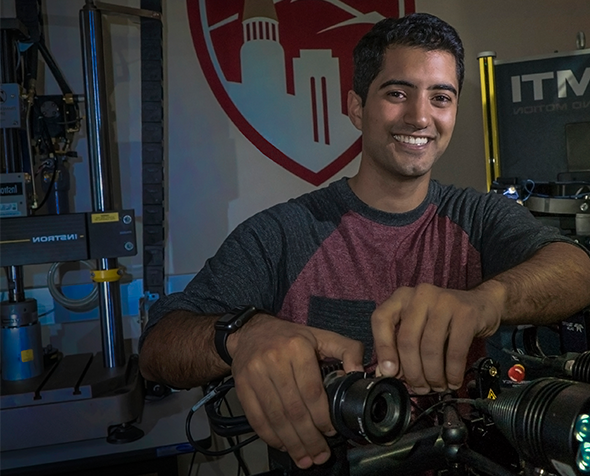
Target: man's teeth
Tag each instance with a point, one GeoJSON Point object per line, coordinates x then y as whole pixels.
{"type": "Point", "coordinates": [411, 140]}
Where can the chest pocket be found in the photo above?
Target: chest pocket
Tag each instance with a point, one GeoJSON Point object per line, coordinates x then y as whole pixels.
{"type": "Point", "coordinates": [349, 318]}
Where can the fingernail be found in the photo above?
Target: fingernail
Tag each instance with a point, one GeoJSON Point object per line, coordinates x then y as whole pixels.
{"type": "Point", "coordinates": [321, 458]}
{"type": "Point", "coordinates": [332, 432]}
{"type": "Point", "coordinates": [438, 389]}
{"type": "Point", "coordinates": [421, 390]}
{"type": "Point", "coordinates": [388, 368]}
{"type": "Point", "coordinates": [454, 386]}
{"type": "Point", "coordinates": [305, 462]}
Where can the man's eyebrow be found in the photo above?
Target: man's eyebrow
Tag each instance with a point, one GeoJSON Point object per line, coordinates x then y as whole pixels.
{"type": "Point", "coordinates": [434, 87]}
{"type": "Point", "coordinates": [444, 87]}
{"type": "Point", "coordinates": [397, 82]}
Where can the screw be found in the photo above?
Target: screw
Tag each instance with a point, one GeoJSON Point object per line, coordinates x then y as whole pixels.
{"type": "Point", "coordinates": [493, 371]}
{"type": "Point", "coordinates": [129, 246]}
{"type": "Point", "coordinates": [584, 207]}
{"type": "Point", "coordinates": [126, 219]}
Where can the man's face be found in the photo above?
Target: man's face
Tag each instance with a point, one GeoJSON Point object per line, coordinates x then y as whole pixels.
{"type": "Point", "coordinates": [409, 115]}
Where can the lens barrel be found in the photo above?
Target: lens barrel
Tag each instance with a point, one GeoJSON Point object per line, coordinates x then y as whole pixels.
{"type": "Point", "coordinates": [374, 410]}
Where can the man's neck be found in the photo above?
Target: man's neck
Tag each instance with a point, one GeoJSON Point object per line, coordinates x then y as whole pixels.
{"type": "Point", "coordinates": [390, 196]}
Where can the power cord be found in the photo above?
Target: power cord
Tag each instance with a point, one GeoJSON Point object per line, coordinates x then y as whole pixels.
{"type": "Point", "coordinates": [218, 392]}
{"type": "Point", "coordinates": [242, 466]}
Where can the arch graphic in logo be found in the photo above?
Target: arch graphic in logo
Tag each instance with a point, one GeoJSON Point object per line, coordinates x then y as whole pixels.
{"type": "Point", "coordinates": [282, 69]}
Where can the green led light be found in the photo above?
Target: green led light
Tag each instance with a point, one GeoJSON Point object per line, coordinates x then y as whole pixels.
{"type": "Point", "coordinates": [582, 428]}
{"type": "Point", "coordinates": [583, 459]}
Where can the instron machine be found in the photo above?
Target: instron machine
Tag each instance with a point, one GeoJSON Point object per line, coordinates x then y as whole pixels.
{"type": "Point", "coordinates": [46, 397]}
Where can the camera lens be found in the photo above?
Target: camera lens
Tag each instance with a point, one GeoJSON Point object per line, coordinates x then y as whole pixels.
{"type": "Point", "coordinates": [384, 412]}
{"type": "Point", "coordinates": [384, 419]}
{"type": "Point", "coordinates": [363, 409]}
{"type": "Point", "coordinates": [379, 408]}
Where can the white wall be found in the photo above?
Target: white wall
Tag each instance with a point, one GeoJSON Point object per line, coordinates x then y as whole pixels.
{"type": "Point", "coordinates": [217, 178]}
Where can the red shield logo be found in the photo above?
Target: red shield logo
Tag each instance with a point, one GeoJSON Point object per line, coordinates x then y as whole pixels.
{"type": "Point", "coordinates": [282, 69]}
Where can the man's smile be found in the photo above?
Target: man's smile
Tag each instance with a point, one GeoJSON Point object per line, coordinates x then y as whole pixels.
{"type": "Point", "coordinates": [411, 139]}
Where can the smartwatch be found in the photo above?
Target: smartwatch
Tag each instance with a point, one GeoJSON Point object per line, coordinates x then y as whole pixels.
{"type": "Point", "coordinates": [228, 324]}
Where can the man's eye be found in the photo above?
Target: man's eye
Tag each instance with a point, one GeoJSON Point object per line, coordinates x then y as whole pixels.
{"type": "Point", "coordinates": [441, 98]}
{"type": "Point", "coordinates": [396, 94]}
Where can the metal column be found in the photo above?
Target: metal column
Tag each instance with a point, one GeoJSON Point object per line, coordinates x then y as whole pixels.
{"type": "Point", "coordinates": [101, 175]}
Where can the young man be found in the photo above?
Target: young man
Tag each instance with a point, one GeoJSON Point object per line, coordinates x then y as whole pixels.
{"type": "Point", "coordinates": [387, 270]}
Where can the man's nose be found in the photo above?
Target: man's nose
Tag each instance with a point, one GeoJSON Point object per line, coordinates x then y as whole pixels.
{"type": "Point", "coordinates": [418, 113]}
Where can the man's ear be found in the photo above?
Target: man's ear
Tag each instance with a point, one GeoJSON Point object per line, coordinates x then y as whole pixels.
{"type": "Point", "coordinates": [355, 109]}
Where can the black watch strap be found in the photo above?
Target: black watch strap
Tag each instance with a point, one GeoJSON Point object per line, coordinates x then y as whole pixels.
{"type": "Point", "coordinates": [228, 324]}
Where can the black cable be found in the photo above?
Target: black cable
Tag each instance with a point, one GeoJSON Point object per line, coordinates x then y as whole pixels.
{"type": "Point", "coordinates": [428, 411]}
{"type": "Point", "coordinates": [190, 468]}
{"type": "Point", "coordinates": [242, 466]}
{"type": "Point", "coordinates": [241, 463]}
{"type": "Point", "coordinates": [513, 339]}
{"type": "Point", "coordinates": [53, 67]}
{"type": "Point", "coordinates": [51, 182]}
{"type": "Point", "coordinates": [420, 409]}
{"type": "Point", "coordinates": [44, 133]}
{"type": "Point", "coordinates": [205, 451]}
{"type": "Point", "coordinates": [530, 340]}
{"type": "Point", "coordinates": [46, 138]}
{"type": "Point", "coordinates": [215, 392]}
{"type": "Point", "coordinates": [223, 425]}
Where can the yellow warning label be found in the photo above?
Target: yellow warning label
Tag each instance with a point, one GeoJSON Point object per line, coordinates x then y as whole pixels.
{"type": "Point", "coordinates": [492, 395]}
{"type": "Point", "coordinates": [26, 355]}
{"type": "Point", "coordinates": [105, 217]}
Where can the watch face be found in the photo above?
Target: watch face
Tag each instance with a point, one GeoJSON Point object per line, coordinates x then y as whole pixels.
{"type": "Point", "coordinates": [228, 324]}
{"type": "Point", "coordinates": [234, 319]}
{"type": "Point", "coordinates": [223, 322]}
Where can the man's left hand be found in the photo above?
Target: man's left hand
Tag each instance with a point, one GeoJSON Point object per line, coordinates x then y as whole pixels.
{"type": "Point", "coordinates": [423, 334]}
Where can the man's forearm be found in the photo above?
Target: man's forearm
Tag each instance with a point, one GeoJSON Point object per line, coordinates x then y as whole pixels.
{"type": "Point", "coordinates": [552, 285]}
{"type": "Point", "coordinates": [179, 351]}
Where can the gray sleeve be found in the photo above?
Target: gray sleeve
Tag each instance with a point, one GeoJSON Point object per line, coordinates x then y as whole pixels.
{"type": "Point", "coordinates": [243, 271]}
{"type": "Point", "coordinates": [259, 260]}
{"type": "Point", "coordinates": [511, 234]}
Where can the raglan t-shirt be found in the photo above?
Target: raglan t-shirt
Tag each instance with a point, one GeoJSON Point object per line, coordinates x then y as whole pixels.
{"type": "Point", "coordinates": [326, 259]}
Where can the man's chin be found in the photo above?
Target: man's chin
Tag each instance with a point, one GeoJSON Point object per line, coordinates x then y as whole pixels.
{"type": "Point", "coordinates": [415, 174]}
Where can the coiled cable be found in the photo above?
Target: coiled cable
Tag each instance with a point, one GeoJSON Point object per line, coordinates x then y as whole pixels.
{"type": "Point", "coordinates": [86, 303]}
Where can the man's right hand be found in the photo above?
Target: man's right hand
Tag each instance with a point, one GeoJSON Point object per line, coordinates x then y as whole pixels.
{"type": "Point", "coordinates": [278, 382]}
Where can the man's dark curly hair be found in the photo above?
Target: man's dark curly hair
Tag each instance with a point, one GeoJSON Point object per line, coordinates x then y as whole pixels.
{"type": "Point", "coordinates": [419, 30]}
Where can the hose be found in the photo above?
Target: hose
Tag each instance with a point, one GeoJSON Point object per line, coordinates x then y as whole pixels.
{"type": "Point", "coordinates": [84, 304]}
